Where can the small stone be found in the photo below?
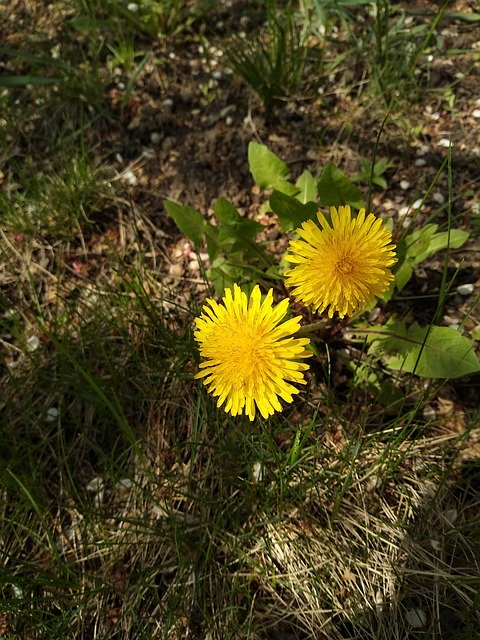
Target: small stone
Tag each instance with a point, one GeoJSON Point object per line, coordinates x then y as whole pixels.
{"type": "Point", "coordinates": [168, 102]}
{"type": "Point", "coordinates": [403, 211]}
{"type": "Point", "coordinates": [420, 162]}
{"type": "Point", "coordinates": [217, 75]}
{"type": "Point", "coordinates": [229, 121]}
{"type": "Point", "coordinates": [450, 515]}
{"type": "Point", "coordinates": [435, 116]}
{"type": "Point", "coordinates": [436, 545]}
{"type": "Point", "coordinates": [132, 7]}
{"type": "Point", "coordinates": [119, 158]}
{"type": "Point", "coordinates": [130, 177]}
{"type": "Point", "coordinates": [155, 137]}
{"type": "Point", "coordinates": [465, 289]}
{"type": "Point", "coordinates": [121, 86]}
{"type": "Point", "coordinates": [123, 485]}
{"type": "Point", "coordinates": [423, 149]}
{"type": "Point", "coordinates": [438, 197]}
{"type": "Point", "coordinates": [95, 484]}
{"type": "Point", "coordinates": [444, 142]}
{"type": "Point", "coordinates": [429, 412]}
{"type": "Point", "coordinates": [404, 184]}
{"type": "Point", "coordinates": [32, 343]}
{"type": "Point", "coordinates": [476, 113]}
{"type": "Point", "coordinates": [52, 414]}
{"type": "Point", "coordinates": [257, 471]}
{"type": "Point", "coordinates": [417, 204]}
{"type": "Point", "coordinates": [416, 618]}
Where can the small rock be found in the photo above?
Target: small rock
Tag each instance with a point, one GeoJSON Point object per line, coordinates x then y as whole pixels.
{"type": "Point", "coordinates": [476, 113]}
{"type": "Point", "coordinates": [429, 412]}
{"type": "Point", "coordinates": [229, 121]}
{"type": "Point", "coordinates": [420, 162]}
{"type": "Point", "coordinates": [32, 343]}
{"type": "Point", "coordinates": [130, 177]}
{"type": "Point", "coordinates": [155, 137]}
{"type": "Point", "coordinates": [444, 142]}
{"type": "Point", "coordinates": [404, 184]}
{"type": "Point", "coordinates": [95, 484]}
{"type": "Point", "coordinates": [436, 545]}
{"type": "Point", "coordinates": [217, 75]}
{"type": "Point", "coordinates": [52, 414]}
{"type": "Point", "coordinates": [465, 289]}
{"type": "Point", "coordinates": [119, 158]}
{"type": "Point", "coordinates": [133, 7]}
{"type": "Point", "coordinates": [416, 618]}
{"type": "Point", "coordinates": [403, 211]}
{"type": "Point", "coordinates": [435, 116]}
{"type": "Point", "coordinates": [417, 204]}
{"type": "Point", "coordinates": [450, 515]}
{"type": "Point", "coordinates": [423, 149]}
{"type": "Point", "coordinates": [438, 197]}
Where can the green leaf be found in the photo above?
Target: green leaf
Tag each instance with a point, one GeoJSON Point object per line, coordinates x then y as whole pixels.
{"type": "Point", "coordinates": [336, 189]}
{"type": "Point", "coordinates": [190, 222]}
{"type": "Point", "coordinates": [223, 274]}
{"type": "Point", "coordinates": [440, 241]}
{"type": "Point", "coordinates": [291, 213]}
{"type": "Point", "coordinates": [430, 352]}
{"type": "Point", "coordinates": [308, 187]}
{"type": "Point", "coordinates": [267, 168]}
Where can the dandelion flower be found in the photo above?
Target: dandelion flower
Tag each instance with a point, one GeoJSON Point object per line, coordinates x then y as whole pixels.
{"type": "Point", "coordinates": [344, 266]}
{"type": "Point", "coordinates": [249, 359]}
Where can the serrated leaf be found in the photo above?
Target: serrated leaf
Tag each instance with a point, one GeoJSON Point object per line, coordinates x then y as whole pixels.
{"type": "Point", "coordinates": [290, 211]}
{"type": "Point", "coordinates": [223, 274]}
{"type": "Point", "coordinates": [336, 189]}
{"type": "Point", "coordinates": [267, 168]}
{"type": "Point", "coordinates": [430, 352]}
{"type": "Point", "coordinates": [307, 185]}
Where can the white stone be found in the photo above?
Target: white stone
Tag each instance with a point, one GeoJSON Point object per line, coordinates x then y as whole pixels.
{"type": "Point", "coordinates": [476, 113]}
{"type": "Point", "coordinates": [132, 7]}
{"type": "Point", "coordinates": [32, 343]}
{"type": "Point", "coordinates": [155, 137]}
{"type": "Point", "coordinates": [130, 177]}
{"type": "Point", "coordinates": [420, 162]}
{"type": "Point", "coordinates": [423, 149]}
{"type": "Point", "coordinates": [95, 484]}
{"type": "Point", "coordinates": [438, 197]}
{"type": "Point", "coordinates": [403, 211]}
{"type": "Point", "coordinates": [417, 204]}
{"type": "Point", "coordinates": [444, 142]}
{"type": "Point", "coordinates": [416, 618]}
{"type": "Point", "coordinates": [228, 121]}
{"type": "Point", "coordinates": [465, 289]}
{"type": "Point", "coordinates": [52, 414]}
{"type": "Point", "coordinates": [404, 184]}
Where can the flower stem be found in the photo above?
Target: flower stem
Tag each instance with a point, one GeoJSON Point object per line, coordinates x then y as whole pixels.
{"type": "Point", "coordinates": [319, 328]}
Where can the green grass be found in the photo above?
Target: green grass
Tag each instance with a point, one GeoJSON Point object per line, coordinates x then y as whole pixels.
{"type": "Point", "coordinates": [130, 506]}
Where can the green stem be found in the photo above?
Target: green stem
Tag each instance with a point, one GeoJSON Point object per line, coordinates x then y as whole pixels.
{"type": "Point", "coordinates": [320, 328]}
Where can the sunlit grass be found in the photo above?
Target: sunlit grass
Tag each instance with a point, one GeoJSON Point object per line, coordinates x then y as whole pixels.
{"type": "Point", "coordinates": [130, 507]}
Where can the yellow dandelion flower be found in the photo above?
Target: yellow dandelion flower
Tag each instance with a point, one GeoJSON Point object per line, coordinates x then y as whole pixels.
{"type": "Point", "coordinates": [343, 266]}
{"type": "Point", "coordinates": [249, 359]}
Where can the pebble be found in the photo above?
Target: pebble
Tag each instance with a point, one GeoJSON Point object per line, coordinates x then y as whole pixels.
{"type": "Point", "coordinates": [417, 204]}
{"type": "Point", "coordinates": [132, 7]}
{"type": "Point", "coordinates": [420, 162]}
{"type": "Point", "coordinates": [217, 75]}
{"type": "Point", "coordinates": [52, 414]}
{"type": "Point", "coordinates": [403, 211]}
{"type": "Point", "coordinates": [476, 113]}
{"type": "Point", "coordinates": [404, 184]}
{"type": "Point", "coordinates": [423, 149]}
{"type": "Point", "coordinates": [229, 121]}
{"type": "Point", "coordinates": [448, 320]}
{"type": "Point", "coordinates": [416, 618]}
{"type": "Point", "coordinates": [444, 142]}
{"type": "Point", "coordinates": [429, 412]}
{"type": "Point", "coordinates": [168, 102]}
{"type": "Point", "coordinates": [438, 197]}
{"type": "Point", "coordinates": [155, 137]}
{"type": "Point", "coordinates": [119, 158]}
{"type": "Point", "coordinates": [95, 484]}
{"type": "Point", "coordinates": [32, 343]}
{"type": "Point", "coordinates": [465, 289]}
{"type": "Point", "coordinates": [130, 177]}
{"type": "Point", "coordinates": [435, 116]}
